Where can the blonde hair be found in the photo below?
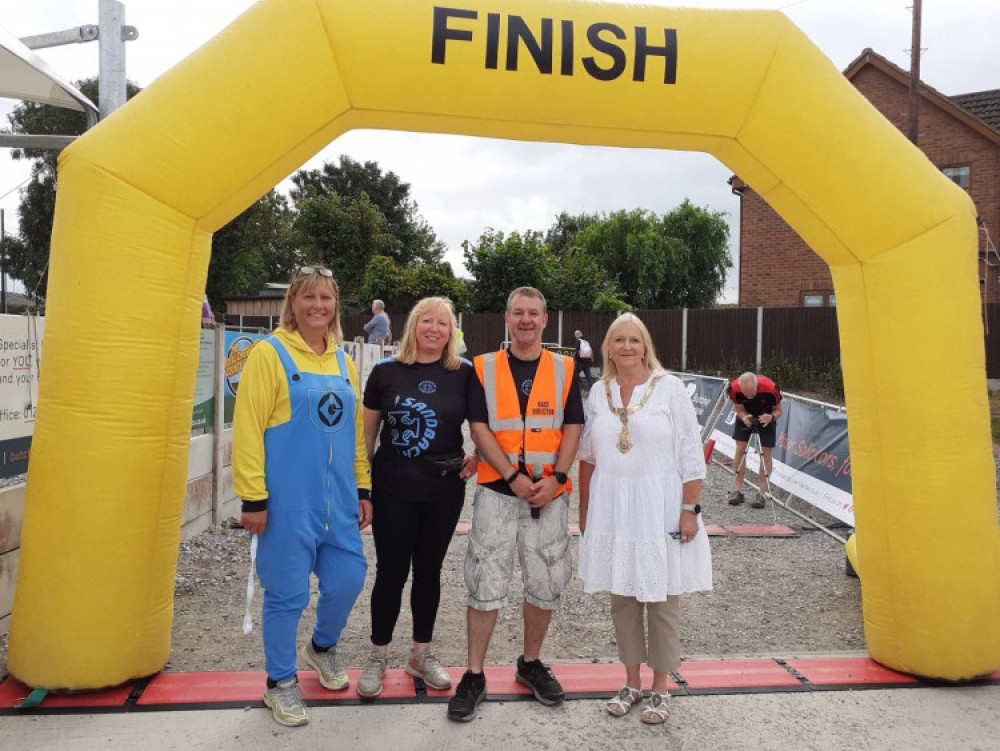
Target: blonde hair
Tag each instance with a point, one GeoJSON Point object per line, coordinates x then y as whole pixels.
{"type": "Point", "coordinates": [407, 354]}
{"type": "Point", "coordinates": [649, 355]}
{"type": "Point", "coordinates": [302, 284]}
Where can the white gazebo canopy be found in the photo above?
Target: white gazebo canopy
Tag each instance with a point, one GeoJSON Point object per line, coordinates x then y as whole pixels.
{"type": "Point", "coordinates": [25, 76]}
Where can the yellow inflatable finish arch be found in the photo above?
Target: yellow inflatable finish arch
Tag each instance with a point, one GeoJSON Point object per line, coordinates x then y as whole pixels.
{"type": "Point", "coordinates": [140, 195]}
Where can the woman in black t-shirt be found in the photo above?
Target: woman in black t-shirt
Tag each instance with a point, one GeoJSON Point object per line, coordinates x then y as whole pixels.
{"type": "Point", "coordinates": [415, 403]}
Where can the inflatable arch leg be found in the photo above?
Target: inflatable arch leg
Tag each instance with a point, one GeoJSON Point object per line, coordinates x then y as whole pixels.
{"type": "Point", "coordinates": [140, 195]}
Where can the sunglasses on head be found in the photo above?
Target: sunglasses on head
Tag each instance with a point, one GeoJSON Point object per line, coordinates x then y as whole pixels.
{"type": "Point", "coordinates": [310, 270]}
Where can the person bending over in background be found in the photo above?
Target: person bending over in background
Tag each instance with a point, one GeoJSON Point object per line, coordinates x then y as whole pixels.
{"type": "Point", "coordinates": [757, 401]}
{"type": "Point", "coordinates": [419, 397]}
{"type": "Point", "coordinates": [300, 466]}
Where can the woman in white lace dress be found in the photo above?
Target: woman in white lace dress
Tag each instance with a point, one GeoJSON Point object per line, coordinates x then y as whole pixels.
{"type": "Point", "coordinates": [641, 470]}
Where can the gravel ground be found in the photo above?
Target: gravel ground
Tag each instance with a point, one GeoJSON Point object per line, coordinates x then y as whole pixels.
{"type": "Point", "coordinates": [772, 596]}
{"type": "Point", "coordinates": [776, 597]}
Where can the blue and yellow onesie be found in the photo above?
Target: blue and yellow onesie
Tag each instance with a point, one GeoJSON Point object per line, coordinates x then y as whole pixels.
{"type": "Point", "coordinates": [299, 451]}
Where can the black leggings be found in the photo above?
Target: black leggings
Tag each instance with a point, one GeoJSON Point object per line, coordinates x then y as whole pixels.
{"type": "Point", "coordinates": [406, 533]}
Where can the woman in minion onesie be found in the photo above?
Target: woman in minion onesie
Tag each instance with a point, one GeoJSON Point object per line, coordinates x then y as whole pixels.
{"type": "Point", "coordinates": [301, 468]}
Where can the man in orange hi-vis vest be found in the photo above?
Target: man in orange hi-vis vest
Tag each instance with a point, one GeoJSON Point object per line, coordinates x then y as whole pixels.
{"type": "Point", "coordinates": [525, 416]}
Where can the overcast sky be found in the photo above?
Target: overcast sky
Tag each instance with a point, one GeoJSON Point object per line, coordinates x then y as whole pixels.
{"type": "Point", "coordinates": [464, 184]}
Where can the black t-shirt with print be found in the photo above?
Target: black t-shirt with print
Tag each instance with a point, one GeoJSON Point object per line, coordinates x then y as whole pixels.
{"type": "Point", "coordinates": [423, 407]}
{"type": "Point", "coordinates": [524, 375]}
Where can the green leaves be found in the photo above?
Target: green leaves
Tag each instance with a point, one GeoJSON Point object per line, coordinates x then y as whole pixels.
{"type": "Point", "coordinates": [384, 279]}
{"type": "Point", "coordinates": [499, 264]}
{"type": "Point", "coordinates": [677, 261]}
{"type": "Point", "coordinates": [626, 259]}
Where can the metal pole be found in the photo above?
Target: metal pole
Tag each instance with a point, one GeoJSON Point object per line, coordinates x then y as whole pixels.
{"type": "Point", "coordinates": [77, 35]}
{"type": "Point", "coordinates": [219, 428]}
{"type": "Point", "coordinates": [112, 57]}
{"type": "Point", "coordinates": [914, 108]}
{"type": "Point", "coordinates": [53, 143]}
{"type": "Point", "coordinates": [760, 337]}
{"type": "Point", "coordinates": [684, 339]}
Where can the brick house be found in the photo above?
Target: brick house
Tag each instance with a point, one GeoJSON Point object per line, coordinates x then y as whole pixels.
{"type": "Point", "coordinates": [960, 134]}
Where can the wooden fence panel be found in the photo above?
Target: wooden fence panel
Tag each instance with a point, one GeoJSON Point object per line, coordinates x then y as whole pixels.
{"type": "Point", "coordinates": [666, 331]}
{"type": "Point", "coordinates": [992, 324]}
{"type": "Point", "coordinates": [484, 332]}
{"type": "Point", "coordinates": [718, 339]}
{"type": "Point", "coordinates": [802, 333]}
{"type": "Point", "coordinates": [721, 340]}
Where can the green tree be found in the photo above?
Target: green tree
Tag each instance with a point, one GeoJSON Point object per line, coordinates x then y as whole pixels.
{"type": "Point", "coordinates": [28, 257]}
{"type": "Point", "coordinates": [344, 235]}
{"type": "Point", "coordinates": [577, 282]}
{"type": "Point", "coordinates": [632, 251]}
{"type": "Point", "coordinates": [561, 236]}
{"type": "Point", "coordinates": [254, 248]}
{"type": "Point", "coordinates": [704, 259]}
{"type": "Point", "coordinates": [499, 264]}
{"type": "Point", "coordinates": [400, 288]}
{"type": "Point", "coordinates": [679, 260]}
{"type": "Point", "coordinates": [610, 303]}
{"type": "Point", "coordinates": [356, 181]}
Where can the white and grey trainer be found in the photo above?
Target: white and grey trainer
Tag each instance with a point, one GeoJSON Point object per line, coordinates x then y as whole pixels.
{"type": "Point", "coordinates": [325, 664]}
{"type": "Point", "coordinates": [370, 683]}
{"type": "Point", "coordinates": [286, 705]}
{"type": "Point", "coordinates": [430, 669]}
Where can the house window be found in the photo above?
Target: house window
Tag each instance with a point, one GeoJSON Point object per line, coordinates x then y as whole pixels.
{"type": "Point", "coordinates": [819, 300]}
{"type": "Point", "coordinates": [958, 175]}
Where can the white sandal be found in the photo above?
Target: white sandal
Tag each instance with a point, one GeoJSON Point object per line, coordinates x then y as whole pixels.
{"type": "Point", "coordinates": [621, 704]}
{"type": "Point", "coordinates": [655, 711]}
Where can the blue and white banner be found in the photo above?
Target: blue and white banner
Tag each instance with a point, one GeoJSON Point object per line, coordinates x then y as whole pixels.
{"type": "Point", "coordinates": [238, 346]}
{"type": "Point", "coordinates": [705, 392]}
{"type": "Point", "coordinates": [811, 458]}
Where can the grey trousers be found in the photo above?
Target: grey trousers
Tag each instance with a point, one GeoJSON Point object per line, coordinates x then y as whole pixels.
{"type": "Point", "coordinates": [664, 643]}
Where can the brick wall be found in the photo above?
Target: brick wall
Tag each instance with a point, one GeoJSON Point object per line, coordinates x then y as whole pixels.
{"type": "Point", "coordinates": [776, 266]}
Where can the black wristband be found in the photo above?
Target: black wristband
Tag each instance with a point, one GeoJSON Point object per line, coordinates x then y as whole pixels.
{"type": "Point", "coordinates": [514, 475]}
{"type": "Point", "coordinates": [252, 507]}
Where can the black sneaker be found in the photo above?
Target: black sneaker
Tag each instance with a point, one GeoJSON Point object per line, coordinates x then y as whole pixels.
{"type": "Point", "coordinates": [471, 691]}
{"type": "Point", "coordinates": [539, 679]}
{"type": "Point", "coordinates": [735, 498]}
{"type": "Point", "coordinates": [758, 501]}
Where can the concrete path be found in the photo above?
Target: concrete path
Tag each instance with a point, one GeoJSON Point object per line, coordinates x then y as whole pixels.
{"type": "Point", "coordinates": [912, 717]}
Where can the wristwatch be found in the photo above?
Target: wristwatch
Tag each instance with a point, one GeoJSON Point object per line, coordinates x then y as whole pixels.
{"type": "Point", "coordinates": [560, 477]}
{"type": "Point", "coordinates": [513, 476]}
{"type": "Point", "coordinates": [696, 507]}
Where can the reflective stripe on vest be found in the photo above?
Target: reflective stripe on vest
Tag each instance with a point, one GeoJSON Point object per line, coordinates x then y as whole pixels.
{"type": "Point", "coordinates": [536, 437]}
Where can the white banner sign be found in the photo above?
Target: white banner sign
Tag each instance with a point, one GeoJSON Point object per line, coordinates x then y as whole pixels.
{"type": "Point", "coordinates": [20, 354]}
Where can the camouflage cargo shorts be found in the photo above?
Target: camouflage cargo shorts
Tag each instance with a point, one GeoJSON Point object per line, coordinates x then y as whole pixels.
{"type": "Point", "coordinates": [501, 526]}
